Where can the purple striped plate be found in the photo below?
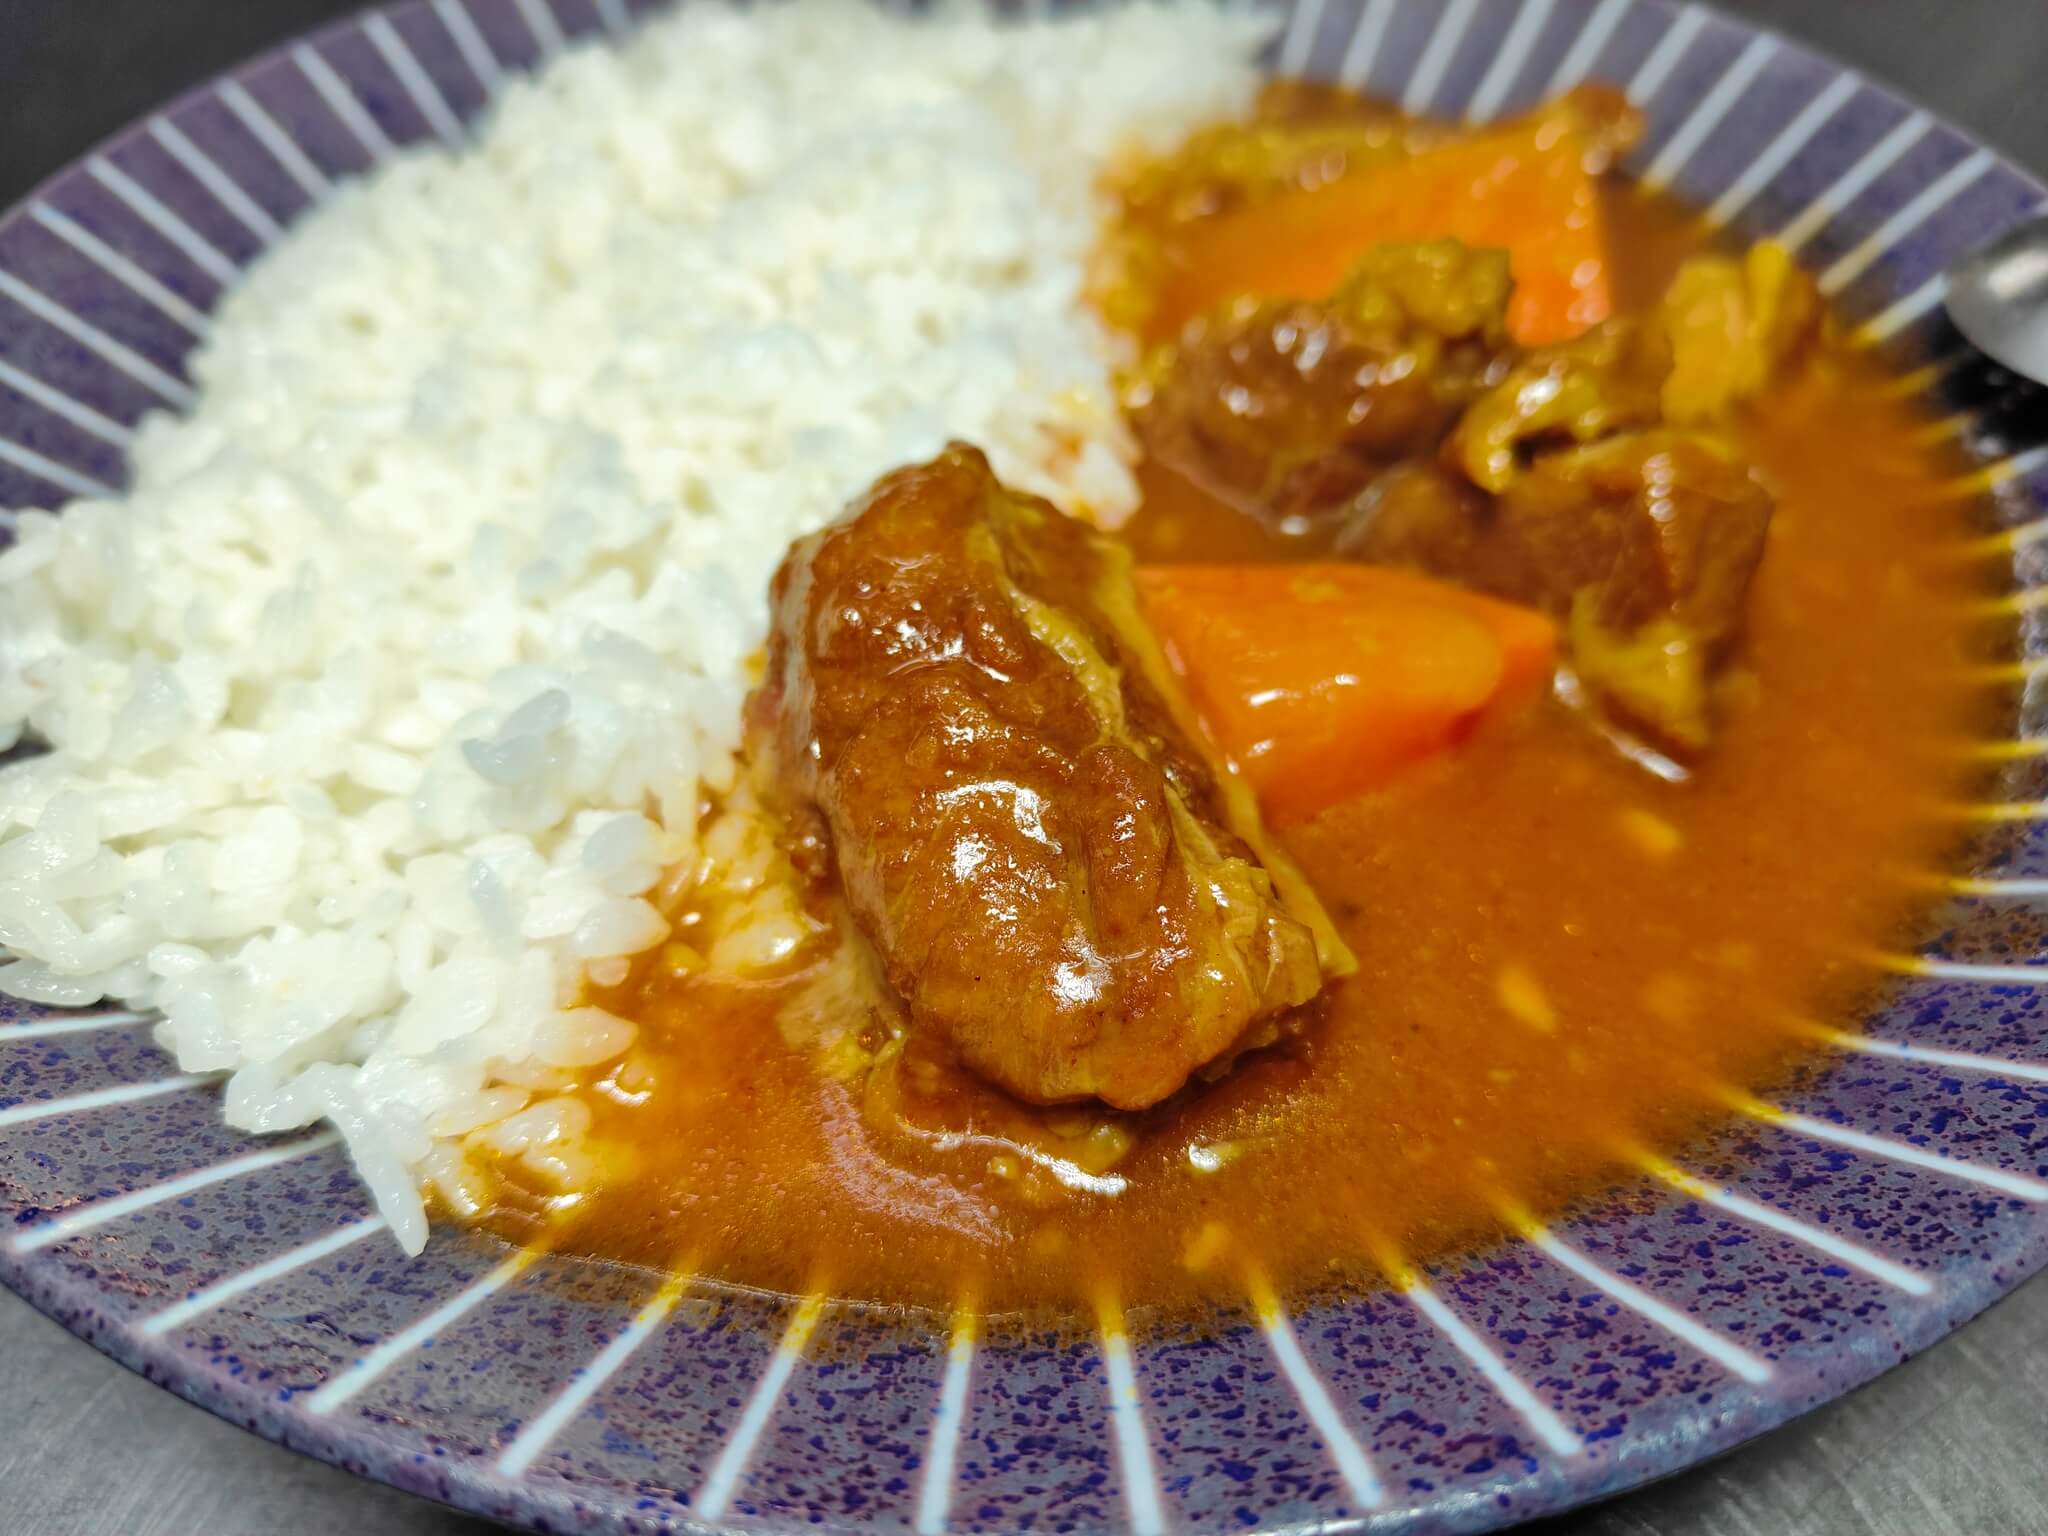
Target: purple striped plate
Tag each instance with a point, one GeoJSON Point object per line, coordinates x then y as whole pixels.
{"type": "Point", "coordinates": [1895, 1192]}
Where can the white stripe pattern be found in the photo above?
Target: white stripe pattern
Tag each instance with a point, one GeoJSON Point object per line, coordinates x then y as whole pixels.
{"type": "Point", "coordinates": [72, 1026]}
{"type": "Point", "coordinates": [63, 476]}
{"type": "Point", "coordinates": [1437, 53]}
{"type": "Point", "coordinates": [98, 1213]}
{"type": "Point", "coordinates": [342, 102]}
{"type": "Point", "coordinates": [1878, 159]}
{"type": "Point", "coordinates": [1133, 1448]}
{"type": "Point", "coordinates": [1299, 40]}
{"type": "Point", "coordinates": [364, 1371]}
{"type": "Point", "coordinates": [948, 1419]}
{"type": "Point", "coordinates": [102, 1098]}
{"type": "Point", "coordinates": [419, 85]}
{"type": "Point", "coordinates": [2013, 1184]}
{"type": "Point", "coordinates": [146, 206]}
{"type": "Point", "coordinates": [1345, 1452]}
{"type": "Point", "coordinates": [1714, 106]}
{"type": "Point", "coordinates": [1944, 189]}
{"type": "Point", "coordinates": [129, 361]}
{"type": "Point", "coordinates": [2009, 890]}
{"type": "Point", "coordinates": [1781, 151]}
{"type": "Point", "coordinates": [1506, 69]}
{"type": "Point", "coordinates": [1586, 48]}
{"type": "Point", "coordinates": [2024, 463]}
{"type": "Point", "coordinates": [1511, 1389]}
{"type": "Point", "coordinates": [1723, 1352]}
{"type": "Point", "coordinates": [611, 15]}
{"type": "Point", "coordinates": [469, 42]}
{"type": "Point", "coordinates": [551, 1420]}
{"type": "Point", "coordinates": [1365, 42]}
{"type": "Point", "coordinates": [1902, 313]}
{"type": "Point", "coordinates": [119, 268]}
{"type": "Point", "coordinates": [540, 21]}
{"type": "Point", "coordinates": [1895, 317]}
{"type": "Point", "coordinates": [199, 1303]}
{"type": "Point", "coordinates": [281, 146]}
{"type": "Point", "coordinates": [1991, 975]}
{"type": "Point", "coordinates": [1963, 1061]}
{"type": "Point", "coordinates": [724, 1476]}
{"type": "Point", "coordinates": [205, 170]}
{"type": "Point", "coordinates": [1656, 69]}
{"type": "Point", "coordinates": [1817, 1238]}
{"type": "Point", "coordinates": [61, 405]}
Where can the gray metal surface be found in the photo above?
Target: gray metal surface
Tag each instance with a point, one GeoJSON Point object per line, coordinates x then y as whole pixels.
{"type": "Point", "coordinates": [1950, 1444]}
{"type": "Point", "coordinates": [1998, 298]}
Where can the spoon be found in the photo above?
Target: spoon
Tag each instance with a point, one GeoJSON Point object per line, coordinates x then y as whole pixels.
{"type": "Point", "coordinates": [1998, 298]}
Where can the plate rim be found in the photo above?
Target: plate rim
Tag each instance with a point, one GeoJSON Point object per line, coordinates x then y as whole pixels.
{"type": "Point", "coordinates": [476, 1487]}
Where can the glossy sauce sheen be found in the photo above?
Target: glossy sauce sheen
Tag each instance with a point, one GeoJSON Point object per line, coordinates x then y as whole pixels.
{"type": "Point", "coordinates": [1560, 957]}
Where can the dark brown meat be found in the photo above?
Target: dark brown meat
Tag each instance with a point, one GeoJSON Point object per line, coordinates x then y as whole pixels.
{"type": "Point", "coordinates": [1286, 409]}
{"type": "Point", "coordinates": [1643, 543]}
{"type": "Point", "coordinates": [1421, 516]}
{"type": "Point", "coordinates": [1057, 881]}
{"type": "Point", "coordinates": [1646, 543]}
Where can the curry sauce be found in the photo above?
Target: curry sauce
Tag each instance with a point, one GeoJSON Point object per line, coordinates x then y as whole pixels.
{"type": "Point", "coordinates": [1562, 959]}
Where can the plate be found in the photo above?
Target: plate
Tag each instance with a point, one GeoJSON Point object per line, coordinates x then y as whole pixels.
{"type": "Point", "coordinates": [1891, 1192]}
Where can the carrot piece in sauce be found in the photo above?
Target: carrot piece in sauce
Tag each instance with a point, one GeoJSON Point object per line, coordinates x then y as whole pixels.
{"type": "Point", "coordinates": [1323, 681]}
{"type": "Point", "coordinates": [1528, 190]}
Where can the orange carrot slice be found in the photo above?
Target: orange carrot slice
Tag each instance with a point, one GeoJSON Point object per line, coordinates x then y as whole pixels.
{"type": "Point", "coordinates": [1524, 189]}
{"type": "Point", "coordinates": [1323, 681]}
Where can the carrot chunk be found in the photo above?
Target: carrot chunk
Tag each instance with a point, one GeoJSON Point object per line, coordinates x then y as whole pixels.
{"type": "Point", "coordinates": [1525, 189]}
{"type": "Point", "coordinates": [1323, 681]}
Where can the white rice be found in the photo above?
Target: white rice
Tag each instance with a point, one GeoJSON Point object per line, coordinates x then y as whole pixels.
{"type": "Point", "coordinates": [378, 706]}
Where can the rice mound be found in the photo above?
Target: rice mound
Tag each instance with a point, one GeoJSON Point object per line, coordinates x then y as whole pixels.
{"type": "Point", "coordinates": [377, 707]}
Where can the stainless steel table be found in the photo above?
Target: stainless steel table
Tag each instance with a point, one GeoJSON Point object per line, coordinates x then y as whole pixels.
{"type": "Point", "coordinates": [1948, 1445]}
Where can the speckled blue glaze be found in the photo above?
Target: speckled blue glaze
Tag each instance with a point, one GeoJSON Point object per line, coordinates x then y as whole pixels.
{"type": "Point", "coordinates": [1229, 1441]}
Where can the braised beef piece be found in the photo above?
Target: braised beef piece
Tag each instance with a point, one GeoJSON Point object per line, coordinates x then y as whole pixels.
{"type": "Point", "coordinates": [1643, 543]}
{"type": "Point", "coordinates": [1646, 543]}
{"type": "Point", "coordinates": [1287, 408]}
{"type": "Point", "coordinates": [1420, 515]}
{"type": "Point", "coordinates": [962, 700]}
{"type": "Point", "coordinates": [1586, 478]}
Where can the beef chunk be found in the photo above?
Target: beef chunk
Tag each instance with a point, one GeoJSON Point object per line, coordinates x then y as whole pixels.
{"type": "Point", "coordinates": [1643, 542]}
{"type": "Point", "coordinates": [1647, 543]}
{"type": "Point", "coordinates": [1421, 516]}
{"type": "Point", "coordinates": [1057, 880]}
{"type": "Point", "coordinates": [1286, 409]}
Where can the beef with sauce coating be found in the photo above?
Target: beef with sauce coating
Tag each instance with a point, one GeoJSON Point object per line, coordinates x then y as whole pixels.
{"type": "Point", "coordinates": [1057, 880]}
{"type": "Point", "coordinates": [1287, 408]}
